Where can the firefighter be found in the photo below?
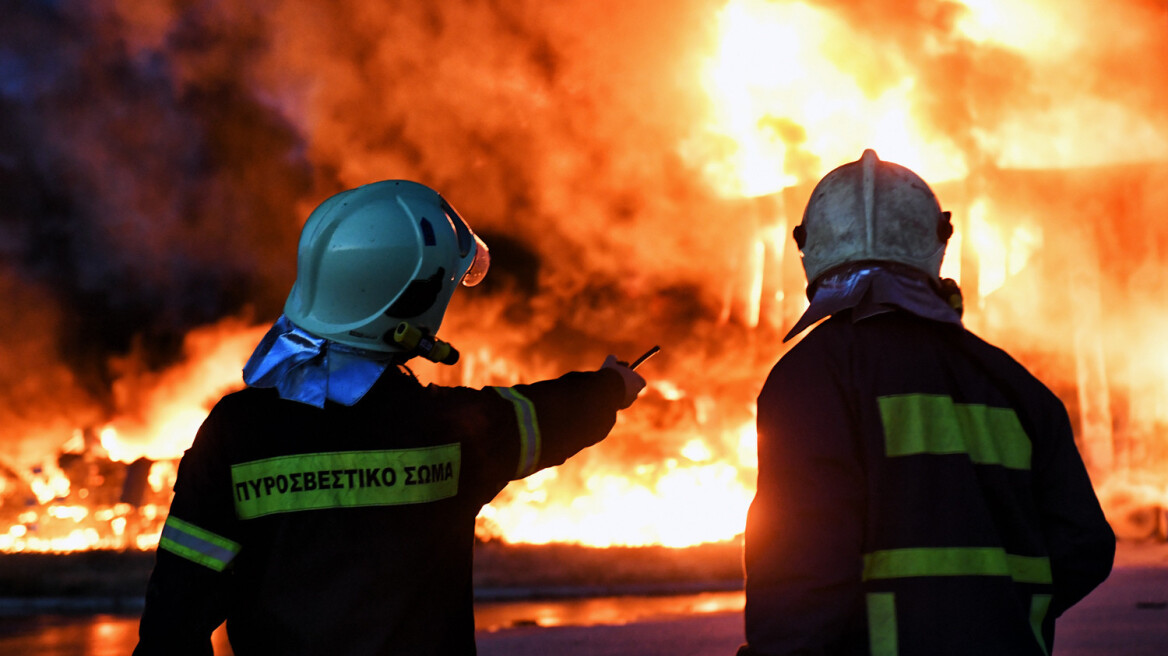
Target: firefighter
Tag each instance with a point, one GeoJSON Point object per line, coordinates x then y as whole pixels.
{"type": "Point", "coordinates": [919, 492]}
{"type": "Point", "coordinates": [329, 507]}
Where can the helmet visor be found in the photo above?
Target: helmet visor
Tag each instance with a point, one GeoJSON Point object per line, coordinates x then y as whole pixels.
{"type": "Point", "coordinates": [478, 267]}
{"type": "Point", "coordinates": [469, 244]}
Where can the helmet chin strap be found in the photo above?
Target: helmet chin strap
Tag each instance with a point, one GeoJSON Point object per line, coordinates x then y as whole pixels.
{"type": "Point", "coordinates": [949, 292]}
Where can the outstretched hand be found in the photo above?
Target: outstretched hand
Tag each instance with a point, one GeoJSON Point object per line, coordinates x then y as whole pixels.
{"type": "Point", "coordinates": [633, 381]}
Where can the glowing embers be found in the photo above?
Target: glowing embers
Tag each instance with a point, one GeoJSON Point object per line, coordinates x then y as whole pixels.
{"type": "Point", "coordinates": [63, 528]}
{"type": "Point", "coordinates": [79, 499]}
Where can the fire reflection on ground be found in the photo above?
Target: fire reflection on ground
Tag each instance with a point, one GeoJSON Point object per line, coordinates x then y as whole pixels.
{"type": "Point", "coordinates": [601, 610]}
{"type": "Point", "coordinates": [96, 635]}
{"type": "Point", "coordinates": [114, 635]}
{"type": "Point", "coordinates": [638, 190]}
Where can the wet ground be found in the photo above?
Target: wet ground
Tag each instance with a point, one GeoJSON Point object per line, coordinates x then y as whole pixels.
{"type": "Point", "coordinates": [504, 627]}
{"type": "Point", "coordinates": [1126, 616]}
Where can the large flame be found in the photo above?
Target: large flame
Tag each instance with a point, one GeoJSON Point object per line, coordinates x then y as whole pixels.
{"type": "Point", "coordinates": [792, 100]}
{"type": "Point", "coordinates": [637, 168]}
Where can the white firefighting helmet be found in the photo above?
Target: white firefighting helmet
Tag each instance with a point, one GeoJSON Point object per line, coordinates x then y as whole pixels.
{"type": "Point", "coordinates": [869, 210]}
{"type": "Point", "coordinates": [375, 256]}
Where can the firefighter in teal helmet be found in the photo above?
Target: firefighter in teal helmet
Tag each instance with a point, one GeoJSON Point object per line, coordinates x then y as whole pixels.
{"type": "Point", "coordinates": [329, 507]}
{"type": "Point", "coordinates": [919, 492]}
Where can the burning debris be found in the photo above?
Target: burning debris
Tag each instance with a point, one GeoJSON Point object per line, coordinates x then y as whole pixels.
{"type": "Point", "coordinates": [82, 500]}
{"type": "Point", "coordinates": [637, 174]}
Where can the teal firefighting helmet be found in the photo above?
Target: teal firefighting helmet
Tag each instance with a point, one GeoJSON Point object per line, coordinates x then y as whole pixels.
{"type": "Point", "coordinates": [872, 211]}
{"type": "Point", "coordinates": [373, 257]}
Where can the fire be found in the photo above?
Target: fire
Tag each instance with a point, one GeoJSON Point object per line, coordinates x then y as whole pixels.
{"type": "Point", "coordinates": [789, 103]}
{"type": "Point", "coordinates": [676, 505]}
{"type": "Point", "coordinates": [176, 401]}
{"type": "Point", "coordinates": [1003, 249]}
{"type": "Point", "coordinates": [685, 500]}
{"type": "Point", "coordinates": [1074, 122]}
{"type": "Point", "coordinates": [117, 487]}
{"type": "Point", "coordinates": [641, 185]}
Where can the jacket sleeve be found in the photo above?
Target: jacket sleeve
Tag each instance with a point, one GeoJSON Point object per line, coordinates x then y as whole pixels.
{"type": "Point", "coordinates": [1079, 540]}
{"type": "Point", "coordinates": [186, 597]}
{"type": "Point", "coordinates": [804, 530]}
{"type": "Point", "coordinates": [571, 412]}
{"type": "Point", "coordinates": [516, 431]}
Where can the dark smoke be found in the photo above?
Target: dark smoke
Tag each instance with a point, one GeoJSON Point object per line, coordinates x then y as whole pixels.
{"type": "Point", "coordinates": [134, 204]}
{"type": "Point", "coordinates": [157, 158]}
{"type": "Point", "coordinates": [143, 203]}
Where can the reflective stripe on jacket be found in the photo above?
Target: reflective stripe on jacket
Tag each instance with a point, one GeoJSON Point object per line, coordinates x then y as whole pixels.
{"type": "Point", "coordinates": [350, 529]}
{"type": "Point", "coordinates": [919, 492]}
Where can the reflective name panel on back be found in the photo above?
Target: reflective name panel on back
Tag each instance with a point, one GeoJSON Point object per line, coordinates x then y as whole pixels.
{"type": "Point", "coordinates": [345, 479]}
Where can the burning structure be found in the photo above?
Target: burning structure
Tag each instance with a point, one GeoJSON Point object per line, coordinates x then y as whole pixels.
{"type": "Point", "coordinates": [636, 170]}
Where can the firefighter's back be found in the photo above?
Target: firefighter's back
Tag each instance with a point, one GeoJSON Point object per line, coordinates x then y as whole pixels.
{"type": "Point", "coordinates": [963, 448]}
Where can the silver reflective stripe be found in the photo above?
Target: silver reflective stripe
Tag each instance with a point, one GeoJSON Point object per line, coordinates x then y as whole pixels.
{"type": "Point", "coordinates": [529, 437]}
{"type": "Point", "coordinates": [197, 545]}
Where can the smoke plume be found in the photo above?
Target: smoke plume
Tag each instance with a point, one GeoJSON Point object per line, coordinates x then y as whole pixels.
{"type": "Point", "coordinates": [157, 159]}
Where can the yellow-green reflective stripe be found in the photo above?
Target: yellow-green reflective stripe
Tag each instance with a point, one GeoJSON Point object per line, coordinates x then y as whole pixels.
{"type": "Point", "coordinates": [921, 423]}
{"type": "Point", "coordinates": [955, 561]}
{"type": "Point", "coordinates": [346, 479]}
{"type": "Point", "coordinates": [882, 633]}
{"type": "Point", "coordinates": [529, 437]}
{"type": "Point", "coordinates": [1039, 606]}
{"type": "Point", "coordinates": [197, 545]}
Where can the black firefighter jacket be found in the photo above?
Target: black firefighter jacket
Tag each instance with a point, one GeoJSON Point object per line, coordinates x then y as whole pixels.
{"type": "Point", "coordinates": [919, 494]}
{"type": "Point", "coordinates": [349, 530]}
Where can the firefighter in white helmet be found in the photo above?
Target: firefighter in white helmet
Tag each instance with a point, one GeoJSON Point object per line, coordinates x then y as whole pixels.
{"type": "Point", "coordinates": [329, 507]}
{"type": "Point", "coordinates": [919, 492]}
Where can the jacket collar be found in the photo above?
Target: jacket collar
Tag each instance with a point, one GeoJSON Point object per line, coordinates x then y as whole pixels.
{"type": "Point", "coordinates": [871, 289]}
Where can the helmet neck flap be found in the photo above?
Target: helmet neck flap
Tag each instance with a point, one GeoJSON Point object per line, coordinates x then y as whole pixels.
{"type": "Point", "coordinates": [871, 288]}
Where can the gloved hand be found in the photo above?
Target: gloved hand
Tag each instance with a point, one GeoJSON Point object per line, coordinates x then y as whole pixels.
{"type": "Point", "coordinates": [633, 381]}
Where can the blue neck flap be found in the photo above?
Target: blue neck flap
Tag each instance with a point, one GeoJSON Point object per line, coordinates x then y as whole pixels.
{"type": "Point", "coordinates": [871, 290]}
{"type": "Point", "coordinates": [310, 369]}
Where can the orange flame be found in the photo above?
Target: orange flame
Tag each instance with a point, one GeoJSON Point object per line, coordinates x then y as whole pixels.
{"type": "Point", "coordinates": [786, 106]}
{"type": "Point", "coordinates": [982, 98]}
